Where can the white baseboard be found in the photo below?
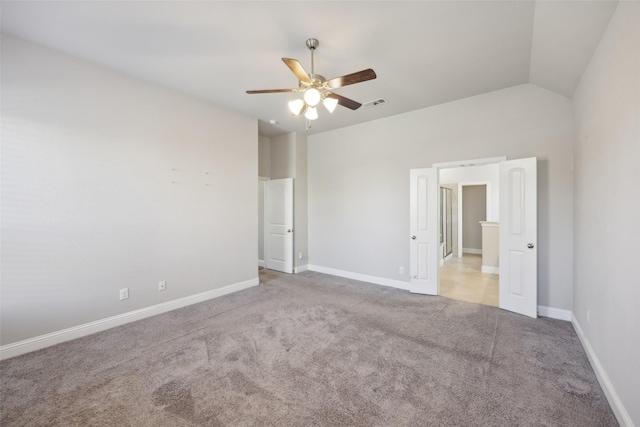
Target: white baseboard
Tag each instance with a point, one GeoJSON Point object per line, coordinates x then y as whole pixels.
{"type": "Point", "coordinates": [300, 268]}
{"type": "Point", "coordinates": [260, 263]}
{"type": "Point", "coordinates": [490, 270]}
{"type": "Point", "coordinates": [362, 277]}
{"type": "Point", "coordinates": [554, 313]}
{"type": "Point", "coordinates": [618, 408]}
{"type": "Point", "coordinates": [472, 251]}
{"type": "Point", "coordinates": [47, 340]}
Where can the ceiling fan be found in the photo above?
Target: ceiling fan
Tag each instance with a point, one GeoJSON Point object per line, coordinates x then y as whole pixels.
{"type": "Point", "coordinates": [316, 88]}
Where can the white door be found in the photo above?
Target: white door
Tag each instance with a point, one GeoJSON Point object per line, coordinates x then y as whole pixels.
{"type": "Point", "coordinates": [518, 237]}
{"type": "Point", "coordinates": [423, 228]}
{"type": "Point", "coordinates": [279, 214]}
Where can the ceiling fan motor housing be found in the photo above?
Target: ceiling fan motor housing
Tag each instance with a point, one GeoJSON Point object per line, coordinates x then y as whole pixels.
{"type": "Point", "coordinates": [317, 81]}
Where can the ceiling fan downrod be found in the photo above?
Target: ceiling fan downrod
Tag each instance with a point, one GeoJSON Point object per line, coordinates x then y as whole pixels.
{"type": "Point", "coordinates": [312, 44]}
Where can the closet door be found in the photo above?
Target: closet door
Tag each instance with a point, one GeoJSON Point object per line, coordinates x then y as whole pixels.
{"type": "Point", "coordinates": [279, 235]}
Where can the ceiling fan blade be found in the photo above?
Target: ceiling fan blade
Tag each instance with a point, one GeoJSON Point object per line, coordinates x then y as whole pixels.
{"type": "Point", "coordinates": [297, 69]}
{"type": "Point", "coordinates": [345, 102]}
{"type": "Point", "coordinates": [252, 92]}
{"type": "Point", "coordinates": [349, 79]}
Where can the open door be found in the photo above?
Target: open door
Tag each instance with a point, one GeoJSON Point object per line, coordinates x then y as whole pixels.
{"type": "Point", "coordinates": [518, 237]}
{"type": "Point", "coordinates": [423, 228]}
{"type": "Point", "coordinates": [279, 217]}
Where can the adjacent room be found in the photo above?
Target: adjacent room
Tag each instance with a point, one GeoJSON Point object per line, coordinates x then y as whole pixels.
{"type": "Point", "coordinates": [469, 221]}
{"type": "Point", "coordinates": [319, 213]}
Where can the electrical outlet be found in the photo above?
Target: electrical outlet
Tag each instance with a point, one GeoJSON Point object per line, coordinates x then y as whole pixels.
{"type": "Point", "coordinates": [124, 293]}
{"type": "Point", "coordinates": [401, 270]}
{"type": "Point", "coordinates": [299, 255]}
{"type": "Point", "coordinates": [162, 285]}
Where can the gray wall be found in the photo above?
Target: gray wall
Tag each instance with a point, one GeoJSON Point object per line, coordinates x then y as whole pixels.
{"type": "Point", "coordinates": [607, 205]}
{"type": "Point", "coordinates": [283, 156]}
{"type": "Point", "coordinates": [261, 185]}
{"type": "Point", "coordinates": [474, 210]}
{"type": "Point", "coordinates": [301, 218]}
{"type": "Point", "coordinates": [264, 156]}
{"type": "Point", "coordinates": [359, 179]}
{"type": "Point", "coordinates": [264, 171]}
{"type": "Point", "coordinates": [109, 182]}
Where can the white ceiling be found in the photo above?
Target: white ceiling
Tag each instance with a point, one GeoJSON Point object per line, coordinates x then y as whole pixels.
{"type": "Point", "coordinates": [424, 52]}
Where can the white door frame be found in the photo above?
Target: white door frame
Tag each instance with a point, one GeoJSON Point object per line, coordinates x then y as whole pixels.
{"type": "Point", "coordinates": [261, 182]}
{"type": "Point", "coordinates": [467, 163]}
{"type": "Point", "coordinates": [463, 163]}
{"type": "Point", "coordinates": [461, 211]}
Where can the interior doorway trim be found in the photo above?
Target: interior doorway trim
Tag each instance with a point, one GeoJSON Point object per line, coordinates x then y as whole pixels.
{"type": "Point", "coordinates": [458, 164]}
{"type": "Point", "coordinates": [467, 163]}
{"type": "Point", "coordinates": [487, 212]}
{"type": "Point", "coordinates": [474, 162]}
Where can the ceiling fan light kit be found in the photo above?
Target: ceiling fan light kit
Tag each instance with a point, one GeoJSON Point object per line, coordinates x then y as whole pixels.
{"type": "Point", "coordinates": [330, 103]}
{"type": "Point", "coordinates": [312, 97]}
{"type": "Point", "coordinates": [318, 89]}
{"type": "Point", "coordinates": [311, 113]}
{"type": "Point", "coordinates": [297, 106]}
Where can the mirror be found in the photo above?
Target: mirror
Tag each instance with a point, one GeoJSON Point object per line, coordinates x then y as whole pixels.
{"type": "Point", "coordinates": [446, 236]}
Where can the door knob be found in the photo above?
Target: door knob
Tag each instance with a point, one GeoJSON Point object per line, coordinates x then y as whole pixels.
{"type": "Point", "coordinates": [530, 245]}
{"type": "Point", "coordinates": [413, 237]}
{"type": "Point", "coordinates": [289, 230]}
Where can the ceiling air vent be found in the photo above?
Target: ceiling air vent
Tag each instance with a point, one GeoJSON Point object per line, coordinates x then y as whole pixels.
{"type": "Point", "coordinates": [375, 103]}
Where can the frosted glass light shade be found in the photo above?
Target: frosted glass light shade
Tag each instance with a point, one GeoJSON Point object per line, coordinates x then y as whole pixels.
{"type": "Point", "coordinates": [312, 113]}
{"type": "Point", "coordinates": [312, 97]}
{"type": "Point", "coordinates": [330, 104]}
{"type": "Point", "coordinates": [296, 106]}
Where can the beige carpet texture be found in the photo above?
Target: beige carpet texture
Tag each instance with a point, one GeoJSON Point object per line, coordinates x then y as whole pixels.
{"type": "Point", "coordinates": [312, 350]}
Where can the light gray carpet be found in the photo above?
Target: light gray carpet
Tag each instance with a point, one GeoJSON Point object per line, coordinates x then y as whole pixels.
{"type": "Point", "coordinates": [312, 350]}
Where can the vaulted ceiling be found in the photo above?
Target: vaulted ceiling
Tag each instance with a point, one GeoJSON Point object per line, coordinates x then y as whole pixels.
{"type": "Point", "coordinates": [424, 52]}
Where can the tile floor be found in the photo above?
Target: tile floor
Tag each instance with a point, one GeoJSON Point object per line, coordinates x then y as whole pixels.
{"type": "Point", "coordinates": [461, 279]}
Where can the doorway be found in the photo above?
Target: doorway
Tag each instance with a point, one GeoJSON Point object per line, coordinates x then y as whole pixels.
{"type": "Point", "coordinates": [461, 274]}
{"type": "Point", "coordinates": [473, 206]}
{"type": "Point", "coordinates": [516, 234]}
{"type": "Point", "coordinates": [275, 224]}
